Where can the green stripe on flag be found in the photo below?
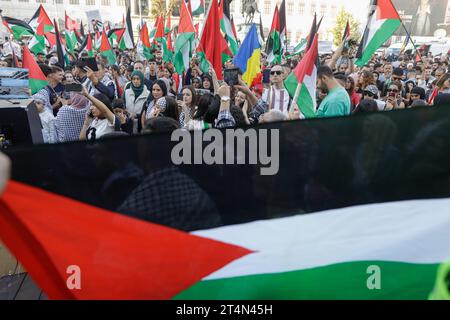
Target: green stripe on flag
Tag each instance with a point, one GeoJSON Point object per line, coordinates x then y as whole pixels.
{"type": "Point", "coordinates": [379, 38]}
{"type": "Point", "coordinates": [400, 281]}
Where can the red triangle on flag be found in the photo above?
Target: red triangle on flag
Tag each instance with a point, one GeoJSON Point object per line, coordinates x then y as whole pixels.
{"type": "Point", "coordinates": [185, 24]}
{"type": "Point", "coordinates": [29, 63]}
{"type": "Point", "coordinates": [386, 10]}
{"type": "Point", "coordinates": [118, 257]}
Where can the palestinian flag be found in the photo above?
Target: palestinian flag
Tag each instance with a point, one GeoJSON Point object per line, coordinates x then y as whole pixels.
{"type": "Point", "coordinates": [36, 78]}
{"type": "Point", "coordinates": [105, 49]}
{"type": "Point", "coordinates": [87, 45]}
{"type": "Point", "coordinates": [115, 36]}
{"type": "Point", "coordinates": [127, 41]}
{"type": "Point", "coordinates": [212, 44]}
{"type": "Point", "coordinates": [198, 7]}
{"type": "Point", "coordinates": [145, 41]}
{"type": "Point", "coordinates": [283, 27]}
{"type": "Point", "coordinates": [301, 83]}
{"type": "Point", "coordinates": [37, 44]}
{"type": "Point", "coordinates": [51, 39]}
{"type": "Point", "coordinates": [346, 33]}
{"type": "Point", "coordinates": [185, 40]}
{"type": "Point", "coordinates": [82, 35]}
{"type": "Point", "coordinates": [227, 28]}
{"type": "Point", "coordinates": [299, 48]}
{"type": "Point", "coordinates": [41, 22]}
{"type": "Point", "coordinates": [339, 227]}
{"type": "Point", "coordinates": [71, 27]}
{"type": "Point", "coordinates": [383, 21]}
{"type": "Point", "coordinates": [63, 57]}
{"type": "Point", "coordinates": [97, 40]}
{"type": "Point", "coordinates": [18, 28]}
{"type": "Point", "coordinates": [160, 37]}
{"type": "Point", "coordinates": [169, 34]}
{"type": "Point", "coordinates": [274, 44]}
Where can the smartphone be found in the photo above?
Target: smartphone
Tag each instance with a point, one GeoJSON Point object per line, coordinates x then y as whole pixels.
{"type": "Point", "coordinates": [91, 63]}
{"type": "Point", "coordinates": [231, 76]}
{"type": "Point", "coordinates": [266, 76]}
{"type": "Point", "coordinates": [202, 92]}
{"type": "Point", "coordinates": [73, 87]}
{"type": "Point", "coordinates": [180, 97]}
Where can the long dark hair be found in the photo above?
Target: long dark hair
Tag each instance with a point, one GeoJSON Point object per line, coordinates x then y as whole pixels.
{"type": "Point", "coordinates": [171, 109]}
{"type": "Point", "coordinates": [162, 85]}
{"type": "Point", "coordinates": [193, 93]}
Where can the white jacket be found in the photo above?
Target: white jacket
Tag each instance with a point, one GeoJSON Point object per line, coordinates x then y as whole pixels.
{"type": "Point", "coordinates": [135, 107]}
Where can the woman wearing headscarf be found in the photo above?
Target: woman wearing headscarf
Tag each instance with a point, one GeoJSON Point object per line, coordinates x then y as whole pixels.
{"type": "Point", "coordinates": [70, 118]}
{"type": "Point", "coordinates": [136, 96]}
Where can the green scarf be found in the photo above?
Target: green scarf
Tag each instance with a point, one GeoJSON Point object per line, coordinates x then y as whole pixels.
{"type": "Point", "coordinates": [137, 90]}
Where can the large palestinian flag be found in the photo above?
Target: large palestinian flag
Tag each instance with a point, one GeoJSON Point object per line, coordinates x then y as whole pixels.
{"type": "Point", "coordinates": [274, 46]}
{"type": "Point", "coordinates": [41, 22]}
{"type": "Point", "coordinates": [383, 21]}
{"type": "Point", "coordinates": [355, 225]}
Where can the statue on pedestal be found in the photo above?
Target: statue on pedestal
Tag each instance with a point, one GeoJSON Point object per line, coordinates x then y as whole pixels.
{"type": "Point", "coordinates": [249, 8]}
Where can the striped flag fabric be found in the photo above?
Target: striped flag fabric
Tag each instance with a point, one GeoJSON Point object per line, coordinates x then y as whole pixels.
{"type": "Point", "coordinates": [376, 230]}
{"type": "Point", "coordinates": [127, 41]}
{"type": "Point", "coordinates": [70, 28]}
{"type": "Point", "coordinates": [299, 48]}
{"type": "Point", "coordinates": [63, 58]}
{"type": "Point", "coordinates": [41, 22]}
{"type": "Point", "coordinates": [145, 42]}
{"type": "Point", "coordinates": [212, 44]}
{"type": "Point", "coordinates": [248, 58]}
{"type": "Point", "coordinates": [227, 28]}
{"type": "Point", "coordinates": [184, 43]}
{"type": "Point", "coordinates": [37, 79]}
{"type": "Point", "coordinates": [37, 44]}
{"type": "Point", "coordinates": [274, 44]}
{"type": "Point", "coordinates": [18, 28]}
{"type": "Point", "coordinates": [301, 83]}
{"type": "Point", "coordinates": [383, 21]}
{"type": "Point", "coordinates": [197, 7]}
{"type": "Point", "coordinates": [106, 50]}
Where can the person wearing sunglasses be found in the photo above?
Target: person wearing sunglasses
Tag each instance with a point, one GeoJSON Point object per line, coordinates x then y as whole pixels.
{"type": "Point", "coordinates": [393, 99]}
{"type": "Point", "coordinates": [276, 96]}
{"type": "Point", "coordinates": [371, 93]}
{"type": "Point", "coordinates": [397, 75]}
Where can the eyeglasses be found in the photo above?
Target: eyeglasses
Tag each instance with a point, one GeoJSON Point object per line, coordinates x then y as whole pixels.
{"type": "Point", "coordinates": [272, 73]}
{"type": "Point", "coordinates": [392, 90]}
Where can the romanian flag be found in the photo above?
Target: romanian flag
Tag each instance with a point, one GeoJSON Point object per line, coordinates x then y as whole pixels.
{"type": "Point", "coordinates": [249, 56]}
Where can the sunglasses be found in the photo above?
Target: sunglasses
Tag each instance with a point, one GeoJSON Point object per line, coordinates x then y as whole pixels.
{"type": "Point", "coordinates": [368, 93]}
{"type": "Point", "coordinates": [393, 90]}
{"type": "Point", "coordinates": [272, 73]}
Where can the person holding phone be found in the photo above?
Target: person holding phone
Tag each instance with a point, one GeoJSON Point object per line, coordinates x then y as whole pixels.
{"type": "Point", "coordinates": [100, 118]}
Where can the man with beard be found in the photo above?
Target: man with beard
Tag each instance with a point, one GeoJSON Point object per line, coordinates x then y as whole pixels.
{"type": "Point", "coordinates": [337, 102]}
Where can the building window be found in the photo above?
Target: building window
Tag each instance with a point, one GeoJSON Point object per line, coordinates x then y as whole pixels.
{"type": "Point", "coordinates": [301, 8]}
{"type": "Point", "coordinates": [40, 1]}
{"type": "Point", "coordinates": [23, 0]}
{"type": "Point", "coordinates": [90, 2]}
{"type": "Point", "coordinates": [106, 2]}
{"type": "Point", "coordinates": [323, 10]}
{"type": "Point", "coordinates": [59, 1]}
{"type": "Point", "coordinates": [267, 7]}
{"type": "Point", "coordinates": [289, 35]}
{"type": "Point", "coordinates": [313, 9]}
{"type": "Point", "coordinates": [74, 2]}
{"type": "Point", "coordinates": [290, 8]}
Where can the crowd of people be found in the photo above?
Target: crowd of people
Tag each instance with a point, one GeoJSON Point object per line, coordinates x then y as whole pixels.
{"type": "Point", "coordinates": [147, 95]}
